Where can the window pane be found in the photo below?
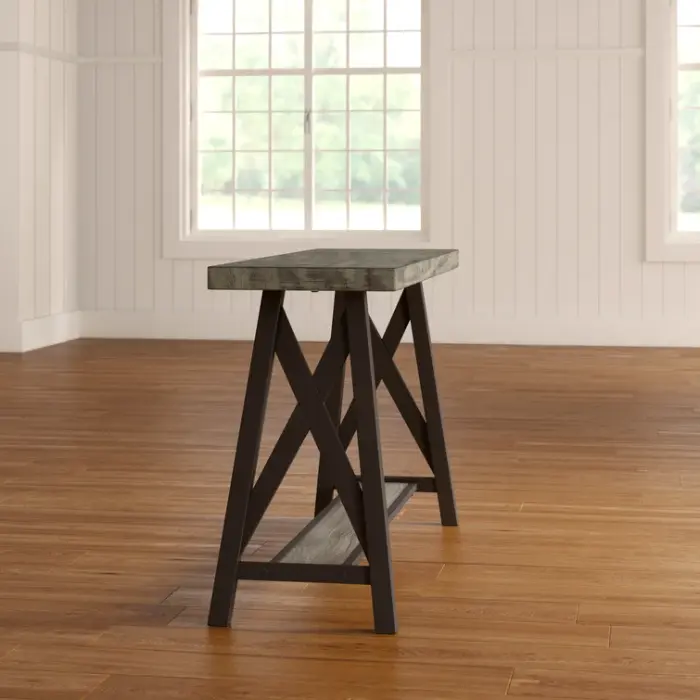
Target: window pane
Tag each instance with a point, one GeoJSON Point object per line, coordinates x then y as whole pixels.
{"type": "Point", "coordinates": [330, 170]}
{"type": "Point", "coordinates": [252, 52]}
{"type": "Point", "coordinates": [330, 92]}
{"type": "Point", "coordinates": [330, 50]}
{"type": "Point", "coordinates": [287, 50]}
{"type": "Point", "coordinates": [252, 93]}
{"type": "Point", "coordinates": [688, 12]}
{"type": "Point", "coordinates": [688, 89]}
{"type": "Point", "coordinates": [366, 14]}
{"type": "Point", "coordinates": [689, 45]}
{"type": "Point", "coordinates": [403, 170]}
{"type": "Point", "coordinates": [287, 170]}
{"type": "Point", "coordinates": [330, 15]}
{"type": "Point", "coordinates": [252, 131]}
{"type": "Point", "coordinates": [404, 14]}
{"type": "Point", "coordinates": [403, 91]}
{"type": "Point", "coordinates": [215, 94]}
{"type": "Point", "coordinates": [215, 16]}
{"type": "Point", "coordinates": [252, 210]}
{"type": "Point", "coordinates": [403, 130]}
{"type": "Point", "coordinates": [330, 131]}
{"type": "Point", "coordinates": [330, 211]}
{"type": "Point", "coordinates": [366, 210]}
{"type": "Point", "coordinates": [366, 92]}
{"type": "Point", "coordinates": [367, 130]}
{"type": "Point", "coordinates": [403, 49]}
{"type": "Point", "coordinates": [689, 170]}
{"type": "Point", "coordinates": [367, 171]}
{"type": "Point", "coordinates": [215, 52]}
{"type": "Point", "coordinates": [288, 93]}
{"type": "Point", "coordinates": [288, 131]}
{"type": "Point", "coordinates": [288, 211]}
{"type": "Point", "coordinates": [403, 211]}
{"type": "Point", "coordinates": [367, 50]}
{"type": "Point", "coordinates": [216, 173]}
{"type": "Point", "coordinates": [215, 132]}
{"type": "Point", "coordinates": [215, 212]}
{"type": "Point", "coordinates": [252, 16]}
{"type": "Point", "coordinates": [287, 15]}
{"type": "Point", "coordinates": [252, 171]}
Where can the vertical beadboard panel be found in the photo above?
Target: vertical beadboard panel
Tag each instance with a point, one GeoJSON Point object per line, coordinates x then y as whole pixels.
{"type": "Point", "coordinates": [463, 13]}
{"type": "Point", "coordinates": [71, 270]}
{"type": "Point", "coordinates": [544, 193]}
{"type": "Point", "coordinates": [526, 187]}
{"type": "Point", "coordinates": [125, 158]}
{"type": "Point", "coordinates": [504, 184]}
{"type": "Point", "coordinates": [525, 160]}
{"type": "Point", "coordinates": [125, 258]}
{"type": "Point", "coordinates": [87, 187]}
{"type": "Point", "coordinates": [633, 206]}
{"type": "Point", "coordinates": [27, 211]}
{"type": "Point", "coordinates": [567, 187]}
{"type": "Point", "coordinates": [10, 338]}
{"type": "Point", "coordinates": [106, 115]}
{"type": "Point", "coordinates": [42, 153]}
{"type": "Point", "coordinates": [144, 183]}
{"type": "Point", "coordinates": [145, 137]}
{"type": "Point", "coordinates": [484, 195]}
{"type": "Point", "coordinates": [547, 182]}
{"type": "Point", "coordinates": [463, 183]}
{"type": "Point", "coordinates": [57, 187]}
{"type": "Point", "coordinates": [567, 161]}
{"type": "Point", "coordinates": [609, 182]}
{"type": "Point", "coordinates": [588, 189]}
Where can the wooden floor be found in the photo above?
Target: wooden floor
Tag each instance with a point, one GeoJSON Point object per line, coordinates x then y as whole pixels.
{"type": "Point", "coordinates": [575, 573]}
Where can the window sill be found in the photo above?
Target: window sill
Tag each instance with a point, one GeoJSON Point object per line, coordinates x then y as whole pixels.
{"type": "Point", "coordinates": [677, 247]}
{"type": "Point", "coordinates": [239, 245]}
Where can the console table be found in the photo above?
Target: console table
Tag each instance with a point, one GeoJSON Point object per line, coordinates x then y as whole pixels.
{"type": "Point", "coordinates": [355, 522]}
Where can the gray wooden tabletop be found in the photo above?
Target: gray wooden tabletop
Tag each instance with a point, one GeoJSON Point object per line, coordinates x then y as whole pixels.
{"type": "Point", "coordinates": [329, 269]}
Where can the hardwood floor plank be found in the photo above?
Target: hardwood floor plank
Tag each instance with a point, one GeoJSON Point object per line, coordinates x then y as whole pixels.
{"type": "Point", "coordinates": [483, 685]}
{"type": "Point", "coordinates": [620, 614]}
{"type": "Point", "coordinates": [292, 677]}
{"type": "Point", "coordinates": [662, 638]}
{"type": "Point", "coordinates": [575, 473]}
{"type": "Point", "coordinates": [47, 685]}
{"type": "Point", "coordinates": [557, 685]}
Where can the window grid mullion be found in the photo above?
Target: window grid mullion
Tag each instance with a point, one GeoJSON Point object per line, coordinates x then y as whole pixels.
{"type": "Point", "coordinates": [348, 165]}
{"type": "Point", "coordinates": [270, 181]}
{"type": "Point", "coordinates": [308, 125]}
{"type": "Point", "coordinates": [234, 155]}
{"type": "Point", "coordinates": [385, 158]}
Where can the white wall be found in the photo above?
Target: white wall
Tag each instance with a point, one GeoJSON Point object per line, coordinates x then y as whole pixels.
{"type": "Point", "coordinates": [38, 52]}
{"type": "Point", "coordinates": [543, 195]}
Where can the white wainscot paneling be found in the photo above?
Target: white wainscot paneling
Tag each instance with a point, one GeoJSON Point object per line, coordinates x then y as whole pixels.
{"type": "Point", "coordinates": [542, 187]}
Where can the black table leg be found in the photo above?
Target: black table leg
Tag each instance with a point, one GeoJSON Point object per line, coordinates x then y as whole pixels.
{"type": "Point", "coordinates": [431, 404]}
{"type": "Point", "coordinates": [247, 451]}
{"type": "Point", "coordinates": [371, 471]}
{"type": "Point", "coordinates": [334, 404]}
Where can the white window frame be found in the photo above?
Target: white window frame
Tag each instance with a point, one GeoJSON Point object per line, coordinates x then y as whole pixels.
{"type": "Point", "coordinates": [664, 243]}
{"type": "Point", "coordinates": [177, 89]}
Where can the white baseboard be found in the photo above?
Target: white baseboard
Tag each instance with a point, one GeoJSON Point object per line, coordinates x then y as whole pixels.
{"type": "Point", "coordinates": [533, 331]}
{"type": "Point", "coordinates": [10, 337]}
{"type": "Point", "coordinates": [50, 330]}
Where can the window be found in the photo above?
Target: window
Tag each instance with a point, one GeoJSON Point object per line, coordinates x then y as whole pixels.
{"type": "Point", "coordinates": [305, 120]}
{"type": "Point", "coordinates": [673, 129]}
{"type": "Point", "coordinates": [688, 117]}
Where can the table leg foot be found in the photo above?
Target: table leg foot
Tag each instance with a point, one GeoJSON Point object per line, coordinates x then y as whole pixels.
{"type": "Point", "coordinates": [371, 470]}
{"type": "Point", "coordinates": [431, 404]}
{"type": "Point", "coordinates": [247, 451]}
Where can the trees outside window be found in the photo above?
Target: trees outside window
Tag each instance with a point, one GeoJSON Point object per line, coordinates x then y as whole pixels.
{"type": "Point", "coordinates": [307, 115]}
